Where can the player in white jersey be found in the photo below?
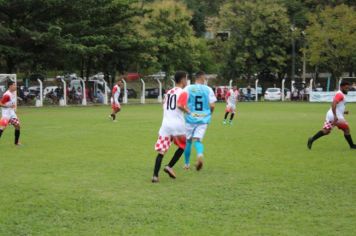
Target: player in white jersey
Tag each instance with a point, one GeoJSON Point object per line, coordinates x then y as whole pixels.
{"type": "Point", "coordinates": [115, 103]}
{"type": "Point", "coordinates": [8, 107]}
{"type": "Point", "coordinates": [231, 101]}
{"type": "Point", "coordinates": [335, 117]}
{"type": "Point", "coordinates": [173, 126]}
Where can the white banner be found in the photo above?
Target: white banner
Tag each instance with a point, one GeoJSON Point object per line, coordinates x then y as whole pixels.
{"type": "Point", "coordinates": [328, 96]}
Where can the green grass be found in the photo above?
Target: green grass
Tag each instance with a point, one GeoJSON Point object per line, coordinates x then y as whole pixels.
{"type": "Point", "coordinates": [79, 174]}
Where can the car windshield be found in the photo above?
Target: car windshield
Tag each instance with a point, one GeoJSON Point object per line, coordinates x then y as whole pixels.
{"type": "Point", "coordinates": [273, 90]}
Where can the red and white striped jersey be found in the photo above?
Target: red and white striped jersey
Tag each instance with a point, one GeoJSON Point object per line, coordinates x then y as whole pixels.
{"type": "Point", "coordinates": [340, 98]}
{"type": "Point", "coordinates": [115, 94]}
{"type": "Point", "coordinates": [8, 100]}
{"type": "Point", "coordinates": [172, 115]}
{"type": "Point", "coordinates": [232, 97]}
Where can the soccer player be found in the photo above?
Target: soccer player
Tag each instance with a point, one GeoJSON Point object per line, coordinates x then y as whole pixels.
{"type": "Point", "coordinates": [231, 100]}
{"type": "Point", "coordinates": [335, 117]}
{"type": "Point", "coordinates": [201, 104]}
{"type": "Point", "coordinates": [115, 104]}
{"type": "Point", "coordinates": [173, 126]}
{"type": "Point", "coordinates": [8, 107]}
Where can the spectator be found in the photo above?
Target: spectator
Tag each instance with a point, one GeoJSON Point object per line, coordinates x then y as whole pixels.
{"type": "Point", "coordinates": [249, 93]}
{"type": "Point", "coordinates": [100, 97]}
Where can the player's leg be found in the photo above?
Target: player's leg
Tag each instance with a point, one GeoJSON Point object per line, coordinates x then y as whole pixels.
{"type": "Point", "coordinates": [227, 111]}
{"type": "Point", "coordinates": [16, 123]}
{"type": "Point", "coordinates": [3, 124]}
{"type": "Point", "coordinates": [115, 109]}
{"type": "Point", "coordinates": [199, 146]}
{"type": "Point", "coordinates": [345, 128]}
{"type": "Point", "coordinates": [190, 129]}
{"type": "Point", "coordinates": [328, 126]}
{"type": "Point", "coordinates": [162, 146]}
{"type": "Point", "coordinates": [233, 111]}
{"type": "Point", "coordinates": [180, 141]}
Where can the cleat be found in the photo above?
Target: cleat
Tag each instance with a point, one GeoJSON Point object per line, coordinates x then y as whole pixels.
{"type": "Point", "coordinates": [353, 146]}
{"type": "Point", "coordinates": [186, 167]}
{"type": "Point", "coordinates": [155, 179]}
{"type": "Point", "coordinates": [224, 122]}
{"type": "Point", "coordinates": [199, 164]}
{"type": "Point", "coordinates": [310, 143]}
{"type": "Point", "coordinates": [170, 172]}
{"type": "Point", "coordinates": [18, 145]}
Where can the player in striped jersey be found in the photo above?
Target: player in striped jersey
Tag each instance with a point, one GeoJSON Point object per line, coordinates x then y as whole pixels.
{"type": "Point", "coordinates": [335, 117]}
{"type": "Point", "coordinates": [173, 126]}
{"type": "Point", "coordinates": [115, 103]}
{"type": "Point", "coordinates": [231, 101]}
{"type": "Point", "coordinates": [8, 107]}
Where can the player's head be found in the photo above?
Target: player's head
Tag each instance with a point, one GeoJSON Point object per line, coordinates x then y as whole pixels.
{"type": "Point", "coordinates": [12, 86]}
{"type": "Point", "coordinates": [119, 82]}
{"type": "Point", "coordinates": [344, 86]}
{"type": "Point", "coordinates": [181, 78]}
{"type": "Point", "coordinates": [200, 77]}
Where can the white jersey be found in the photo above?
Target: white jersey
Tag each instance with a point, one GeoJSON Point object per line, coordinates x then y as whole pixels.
{"type": "Point", "coordinates": [115, 94]}
{"type": "Point", "coordinates": [232, 97]}
{"type": "Point", "coordinates": [8, 100]}
{"type": "Point", "coordinates": [340, 107]}
{"type": "Point", "coordinates": [173, 123]}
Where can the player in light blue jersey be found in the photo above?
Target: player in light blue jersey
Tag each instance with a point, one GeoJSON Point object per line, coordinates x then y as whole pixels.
{"type": "Point", "coordinates": [201, 104]}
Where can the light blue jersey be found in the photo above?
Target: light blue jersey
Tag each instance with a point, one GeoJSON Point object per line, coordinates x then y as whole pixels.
{"type": "Point", "coordinates": [199, 99]}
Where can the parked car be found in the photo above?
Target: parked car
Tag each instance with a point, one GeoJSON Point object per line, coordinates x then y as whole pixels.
{"type": "Point", "coordinates": [243, 94]}
{"type": "Point", "coordinates": [153, 93]}
{"type": "Point", "coordinates": [273, 94]}
{"type": "Point", "coordinates": [49, 89]}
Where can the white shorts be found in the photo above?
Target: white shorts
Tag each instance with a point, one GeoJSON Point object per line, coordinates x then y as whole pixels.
{"type": "Point", "coordinates": [172, 130]}
{"type": "Point", "coordinates": [231, 108]}
{"type": "Point", "coordinates": [196, 131]}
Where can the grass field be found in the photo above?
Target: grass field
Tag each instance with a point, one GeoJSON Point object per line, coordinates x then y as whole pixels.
{"type": "Point", "coordinates": [80, 174]}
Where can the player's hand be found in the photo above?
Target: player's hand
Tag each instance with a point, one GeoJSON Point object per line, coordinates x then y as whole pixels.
{"type": "Point", "coordinates": [346, 112]}
{"type": "Point", "coordinates": [335, 120]}
{"type": "Point", "coordinates": [13, 106]}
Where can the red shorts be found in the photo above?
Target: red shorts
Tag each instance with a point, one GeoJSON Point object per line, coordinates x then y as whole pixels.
{"type": "Point", "coordinates": [341, 125]}
{"type": "Point", "coordinates": [164, 143]}
{"type": "Point", "coordinates": [116, 106]}
{"type": "Point", "coordinates": [4, 122]}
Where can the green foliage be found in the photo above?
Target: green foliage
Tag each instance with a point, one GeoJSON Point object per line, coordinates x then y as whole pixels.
{"type": "Point", "coordinates": [259, 36]}
{"type": "Point", "coordinates": [332, 39]}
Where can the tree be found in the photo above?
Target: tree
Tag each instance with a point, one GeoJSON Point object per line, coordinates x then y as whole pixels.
{"type": "Point", "coordinates": [331, 39]}
{"type": "Point", "coordinates": [259, 37]}
{"type": "Point", "coordinates": [176, 47]}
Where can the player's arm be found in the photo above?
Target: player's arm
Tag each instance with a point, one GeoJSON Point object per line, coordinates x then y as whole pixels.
{"type": "Point", "coordinates": [212, 107]}
{"type": "Point", "coordinates": [227, 96]}
{"type": "Point", "coordinates": [212, 100]}
{"type": "Point", "coordinates": [338, 98]}
{"type": "Point", "coordinates": [182, 102]}
{"type": "Point", "coordinates": [116, 96]}
{"type": "Point", "coordinates": [3, 102]}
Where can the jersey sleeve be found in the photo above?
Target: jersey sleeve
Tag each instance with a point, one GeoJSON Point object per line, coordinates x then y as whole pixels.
{"type": "Point", "coordinates": [228, 94]}
{"type": "Point", "coordinates": [183, 99]}
{"type": "Point", "coordinates": [339, 97]}
{"type": "Point", "coordinates": [212, 98]}
{"type": "Point", "coordinates": [5, 99]}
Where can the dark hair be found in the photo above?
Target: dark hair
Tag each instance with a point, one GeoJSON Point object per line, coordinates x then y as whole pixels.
{"type": "Point", "coordinates": [344, 83]}
{"type": "Point", "coordinates": [199, 74]}
{"type": "Point", "coordinates": [10, 83]}
{"type": "Point", "coordinates": [179, 76]}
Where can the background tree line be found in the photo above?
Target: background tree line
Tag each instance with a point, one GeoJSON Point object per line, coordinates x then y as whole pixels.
{"type": "Point", "coordinates": [118, 36]}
